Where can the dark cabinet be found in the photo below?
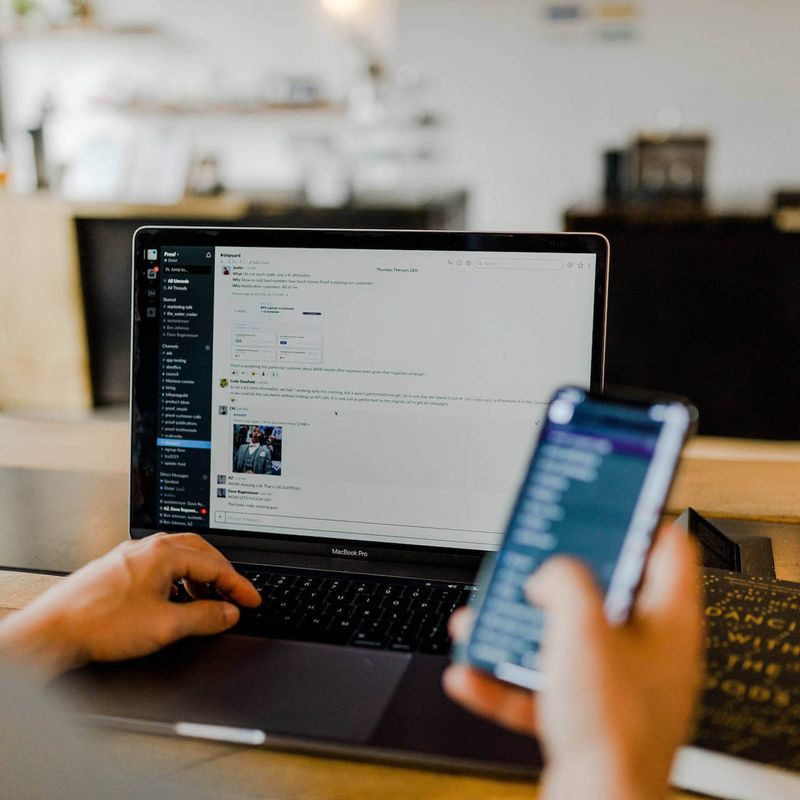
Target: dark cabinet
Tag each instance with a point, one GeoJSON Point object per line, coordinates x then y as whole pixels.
{"type": "Point", "coordinates": [707, 306]}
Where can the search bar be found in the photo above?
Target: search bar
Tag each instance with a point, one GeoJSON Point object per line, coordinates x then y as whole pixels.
{"type": "Point", "coordinates": [519, 263]}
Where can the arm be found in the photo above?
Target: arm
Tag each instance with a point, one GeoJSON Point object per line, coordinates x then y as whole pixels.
{"type": "Point", "coordinates": [620, 699]}
{"type": "Point", "coordinates": [118, 607]}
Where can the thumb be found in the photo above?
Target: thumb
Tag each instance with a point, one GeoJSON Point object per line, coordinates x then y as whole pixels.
{"type": "Point", "coordinates": [566, 590]}
{"type": "Point", "coordinates": [671, 586]}
{"type": "Point", "coordinates": [204, 617]}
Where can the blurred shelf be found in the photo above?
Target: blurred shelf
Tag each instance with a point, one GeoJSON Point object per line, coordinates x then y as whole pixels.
{"type": "Point", "coordinates": [787, 220]}
{"type": "Point", "coordinates": [220, 109]}
{"type": "Point", "coordinates": [667, 213]}
{"type": "Point", "coordinates": [80, 32]}
{"type": "Point", "coordinates": [225, 206]}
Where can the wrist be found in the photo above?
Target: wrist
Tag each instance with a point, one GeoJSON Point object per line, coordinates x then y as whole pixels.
{"type": "Point", "coordinates": [604, 776]}
{"type": "Point", "coordinates": [40, 642]}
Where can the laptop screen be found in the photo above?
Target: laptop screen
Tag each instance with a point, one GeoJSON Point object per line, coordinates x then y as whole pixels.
{"type": "Point", "coordinates": [355, 395]}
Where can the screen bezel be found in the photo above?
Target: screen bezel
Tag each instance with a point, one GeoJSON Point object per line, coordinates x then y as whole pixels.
{"type": "Point", "coordinates": [143, 399]}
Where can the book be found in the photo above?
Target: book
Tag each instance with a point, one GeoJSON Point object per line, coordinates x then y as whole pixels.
{"type": "Point", "coordinates": [746, 739]}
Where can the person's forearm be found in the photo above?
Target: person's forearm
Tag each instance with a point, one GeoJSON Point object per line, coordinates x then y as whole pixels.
{"type": "Point", "coordinates": [37, 643]}
{"type": "Point", "coordinates": [602, 777]}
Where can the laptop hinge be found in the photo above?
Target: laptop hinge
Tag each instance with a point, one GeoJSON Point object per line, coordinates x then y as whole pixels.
{"type": "Point", "coordinates": [351, 566]}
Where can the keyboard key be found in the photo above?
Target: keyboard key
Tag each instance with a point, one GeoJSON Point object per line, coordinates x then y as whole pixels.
{"type": "Point", "coordinates": [374, 641]}
{"type": "Point", "coordinates": [313, 628]}
{"type": "Point", "coordinates": [340, 632]}
{"type": "Point", "coordinates": [404, 644]}
{"type": "Point", "coordinates": [396, 603]}
{"type": "Point", "coordinates": [377, 627]}
{"type": "Point", "coordinates": [441, 595]}
{"type": "Point", "coordinates": [280, 580]}
{"type": "Point", "coordinates": [435, 647]}
{"type": "Point", "coordinates": [366, 600]}
{"type": "Point", "coordinates": [370, 612]}
{"type": "Point", "coordinates": [436, 632]}
{"type": "Point", "coordinates": [400, 616]}
{"type": "Point", "coordinates": [289, 620]}
{"type": "Point", "coordinates": [362, 613]}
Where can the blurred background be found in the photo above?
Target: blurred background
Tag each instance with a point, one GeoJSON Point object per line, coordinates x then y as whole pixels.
{"type": "Point", "coordinates": [672, 127]}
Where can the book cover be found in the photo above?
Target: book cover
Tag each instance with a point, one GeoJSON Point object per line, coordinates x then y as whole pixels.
{"type": "Point", "coordinates": [750, 705]}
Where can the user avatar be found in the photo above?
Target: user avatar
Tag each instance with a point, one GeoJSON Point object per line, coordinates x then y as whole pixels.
{"type": "Point", "coordinates": [222, 479]}
{"type": "Point", "coordinates": [223, 382]}
{"type": "Point", "coordinates": [222, 492]}
{"type": "Point", "coordinates": [223, 410]}
{"type": "Point", "coordinates": [257, 449]}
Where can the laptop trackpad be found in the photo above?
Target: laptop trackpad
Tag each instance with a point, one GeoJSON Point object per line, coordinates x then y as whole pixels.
{"type": "Point", "coordinates": [291, 688]}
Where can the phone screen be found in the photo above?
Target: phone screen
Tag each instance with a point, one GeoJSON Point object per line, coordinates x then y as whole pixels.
{"type": "Point", "coordinates": [595, 489]}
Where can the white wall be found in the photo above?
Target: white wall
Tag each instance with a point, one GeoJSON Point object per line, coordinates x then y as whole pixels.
{"type": "Point", "coordinates": [530, 115]}
{"type": "Point", "coordinates": [196, 43]}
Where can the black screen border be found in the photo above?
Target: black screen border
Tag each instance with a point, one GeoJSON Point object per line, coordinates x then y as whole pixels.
{"type": "Point", "coordinates": [144, 364]}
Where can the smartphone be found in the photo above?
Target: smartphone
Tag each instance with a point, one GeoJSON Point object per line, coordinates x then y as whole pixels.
{"type": "Point", "coordinates": [595, 489]}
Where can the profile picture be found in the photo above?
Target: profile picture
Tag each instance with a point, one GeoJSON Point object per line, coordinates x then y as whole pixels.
{"type": "Point", "coordinates": [222, 492]}
{"type": "Point", "coordinates": [257, 449]}
{"type": "Point", "coordinates": [223, 382]}
{"type": "Point", "coordinates": [223, 410]}
{"type": "Point", "coordinates": [226, 271]}
{"type": "Point", "coordinates": [222, 480]}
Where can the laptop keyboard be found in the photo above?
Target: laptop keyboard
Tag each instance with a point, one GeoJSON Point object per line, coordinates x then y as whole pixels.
{"type": "Point", "coordinates": [379, 613]}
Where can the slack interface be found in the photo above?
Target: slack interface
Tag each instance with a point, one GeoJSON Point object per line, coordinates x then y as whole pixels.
{"type": "Point", "coordinates": [384, 396]}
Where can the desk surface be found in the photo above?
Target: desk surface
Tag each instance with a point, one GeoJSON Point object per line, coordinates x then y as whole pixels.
{"type": "Point", "coordinates": [748, 480]}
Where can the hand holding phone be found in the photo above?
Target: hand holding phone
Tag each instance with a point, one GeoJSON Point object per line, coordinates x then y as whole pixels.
{"type": "Point", "coordinates": [595, 489]}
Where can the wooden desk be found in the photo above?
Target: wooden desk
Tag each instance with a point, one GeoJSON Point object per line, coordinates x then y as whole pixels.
{"type": "Point", "coordinates": [750, 480]}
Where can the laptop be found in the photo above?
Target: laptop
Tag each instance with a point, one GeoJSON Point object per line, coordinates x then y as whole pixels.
{"type": "Point", "coordinates": [346, 415]}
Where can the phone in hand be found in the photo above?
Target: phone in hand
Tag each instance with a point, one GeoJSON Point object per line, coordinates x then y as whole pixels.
{"type": "Point", "coordinates": [595, 489]}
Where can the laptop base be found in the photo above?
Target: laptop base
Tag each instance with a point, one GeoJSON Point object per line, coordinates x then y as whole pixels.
{"type": "Point", "coordinates": [302, 696]}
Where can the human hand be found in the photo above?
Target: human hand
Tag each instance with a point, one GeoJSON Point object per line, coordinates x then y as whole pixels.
{"type": "Point", "coordinates": [118, 607]}
{"type": "Point", "coordinates": [619, 699]}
